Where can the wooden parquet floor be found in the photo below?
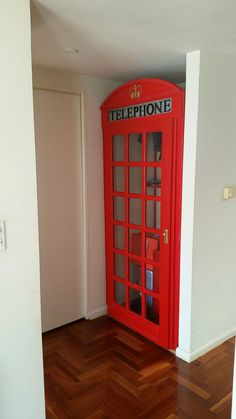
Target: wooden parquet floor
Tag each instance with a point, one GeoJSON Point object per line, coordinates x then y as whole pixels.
{"type": "Point", "coordinates": [101, 370]}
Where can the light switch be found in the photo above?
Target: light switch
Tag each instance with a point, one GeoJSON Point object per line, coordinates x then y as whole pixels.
{"type": "Point", "coordinates": [3, 243]}
{"type": "Point", "coordinates": [229, 192]}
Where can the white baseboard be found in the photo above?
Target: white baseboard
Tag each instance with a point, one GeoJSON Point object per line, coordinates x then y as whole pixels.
{"type": "Point", "coordinates": [184, 355]}
{"type": "Point", "coordinates": [192, 356]}
{"type": "Point", "coordinates": [97, 313]}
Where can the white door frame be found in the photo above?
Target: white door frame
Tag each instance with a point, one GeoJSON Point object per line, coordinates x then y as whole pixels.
{"type": "Point", "coordinates": [84, 229]}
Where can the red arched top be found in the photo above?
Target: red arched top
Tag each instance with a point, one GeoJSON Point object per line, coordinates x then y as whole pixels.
{"type": "Point", "coordinates": [141, 91]}
{"type": "Point", "coordinates": [150, 89]}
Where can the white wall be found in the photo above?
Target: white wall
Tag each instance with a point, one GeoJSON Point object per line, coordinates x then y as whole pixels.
{"type": "Point", "coordinates": [188, 194]}
{"type": "Point", "coordinates": [233, 416]}
{"type": "Point", "coordinates": [96, 90]}
{"type": "Point", "coordinates": [210, 304]}
{"type": "Point", "coordinates": [20, 331]}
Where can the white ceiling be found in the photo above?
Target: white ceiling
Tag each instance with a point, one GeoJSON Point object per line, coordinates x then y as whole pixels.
{"type": "Point", "coordinates": [127, 39]}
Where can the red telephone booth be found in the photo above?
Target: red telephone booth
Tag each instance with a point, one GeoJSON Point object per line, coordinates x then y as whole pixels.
{"type": "Point", "coordinates": [143, 146]}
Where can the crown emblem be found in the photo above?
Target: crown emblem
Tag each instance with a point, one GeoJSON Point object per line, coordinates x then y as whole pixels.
{"type": "Point", "coordinates": [135, 91]}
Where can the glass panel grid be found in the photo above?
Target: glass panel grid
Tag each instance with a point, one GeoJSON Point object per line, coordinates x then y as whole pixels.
{"type": "Point", "coordinates": [153, 214]}
{"type": "Point", "coordinates": [135, 241]}
{"type": "Point", "coordinates": [119, 237]}
{"type": "Point", "coordinates": [135, 180]}
{"type": "Point", "coordinates": [136, 227]}
{"type": "Point", "coordinates": [119, 265]}
{"type": "Point", "coordinates": [118, 147]}
{"type": "Point", "coordinates": [119, 179]}
{"type": "Point", "coordinates": [119, 208]}
{"type": "Point", "coordinates": [152, 247]}
{"type": "Point", "coordinates": [135, 147]}
{"type": "Point", "coordinates": [120, 294]}
{"type": "Point", "coordinates": [139, 259]}
{"type": "Point", "coordinates": [154, 146]}
{"type": "Point", "coordinates": [135, 304]}
{"type": "Point", "coordinates": [152, 309]}
{"type": "Point", "coordinates": [144, 168]}
{"type": "Point", "coordinates": [153, 181]}
{"type": "Point", "coordinates": [135, 211]}
{"type": "Point", "coordinates": [135, 271]}
{"type": "Point", "coordinates": [152, 276]}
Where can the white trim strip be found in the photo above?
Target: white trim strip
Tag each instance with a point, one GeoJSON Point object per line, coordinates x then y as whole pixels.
{"type": "Point", "coordinates": [192, 356]}
{"type": "Point", "coordinates": [97, 313]}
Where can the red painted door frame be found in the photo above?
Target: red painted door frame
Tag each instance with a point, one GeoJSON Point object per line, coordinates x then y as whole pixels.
{"type": "Point", "coordinates": [134, 93]}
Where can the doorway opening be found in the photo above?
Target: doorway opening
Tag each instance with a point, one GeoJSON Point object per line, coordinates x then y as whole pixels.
{"type": "Point", "coordinates": [60, 161]}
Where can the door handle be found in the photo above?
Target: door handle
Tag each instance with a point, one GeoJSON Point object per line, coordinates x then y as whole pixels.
{"type": "Point", "coordinates": [166, 236]}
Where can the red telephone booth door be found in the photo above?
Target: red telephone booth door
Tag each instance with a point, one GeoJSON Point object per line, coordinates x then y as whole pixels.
{"type": "Point", "coordinates": [143, 137]}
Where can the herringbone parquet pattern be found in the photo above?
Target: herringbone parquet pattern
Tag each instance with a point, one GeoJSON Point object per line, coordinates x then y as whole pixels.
{"type": "Point", "coordinates": [101, 370]}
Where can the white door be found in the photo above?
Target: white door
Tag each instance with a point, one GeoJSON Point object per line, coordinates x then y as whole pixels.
{"type": "Point", "coordinates": [59, 169]}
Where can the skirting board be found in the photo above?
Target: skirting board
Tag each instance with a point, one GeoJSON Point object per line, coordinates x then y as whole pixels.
{"type": "Point", "coordinates": [97, 313]}
{"type": "Point", "coordinates": [192, 356]}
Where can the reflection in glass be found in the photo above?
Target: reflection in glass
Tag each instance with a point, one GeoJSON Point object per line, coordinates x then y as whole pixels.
{"type": "Point", "coordinates": [118, 147]}
{"type": "Point", "coordinates": [152, 309]}
{"type": "Point", "coordinates": [135, 242]}
{"type": "Point", "coordinates": [153, 214]}
{"type": "Point", "coordinates": [153, 247]}
{"type": "Point", "coordinates": [152, 277]}
{"type": "Point", "coordinates": [135, 147]}
{"type": "Point", "coordinates": [119, 269]}
{"type": "Point", "coordinates": [153, 181]}
{"type": "Point", "coordinates": [120, 294]}
{"type": "Point", "coordinates": [135, 180]}
{"type": "Point", "coordinates": [119, 237]}
{"type": "Point", "coordinates": [134, 272]}
{"type": "Point", "coordinates": [119, 179]}
{"type": "Point", "coordinates": [119, 208]}
{"type": "Point", "coordinates": [135, 211]}
{"type": "Point", "coordinates": [135, 300]}
{"type": "Point", "coordinates": [154, 146]}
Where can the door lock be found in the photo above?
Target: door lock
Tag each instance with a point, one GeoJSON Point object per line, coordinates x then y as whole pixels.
{"type": "Point", "coordinates": [166, 236]}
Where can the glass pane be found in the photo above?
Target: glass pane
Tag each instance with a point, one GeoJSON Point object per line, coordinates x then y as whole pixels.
{"type": "Point", "coordinates": [119, 269]}
{"type": "Point", "coordinates": [135, 242]}
{"type": "Point", "coordinates": [119, 179]}
{"type": "Point", "coordinates": [119, 208]}
{"type": "Point", "coordinates": [153, 181]}
{"type": "Point", "coordinates": [135, 147]}
{"type": "Point", "coordinates": [118, 147]}
{"type": "Point", "coordinates": [153, 247]}
{"type": "Point", "coordinates": [135, 300]}
{"type": "Point", "coordinates": [152, 277]}
{"type": "Point", "coordinates": [152, 309]}
{"type": "Point", "coordinates": [135, 180]}
{"type": "Point", "coordinates": [135, 211]}
{"type": "Point", "coordinates": [153, 214]}
{"type": "Point", "coordinates": [119, 237]}
{"type": "Point", "coordinates": [119, 294]}
{"type": "Point", "coordinates": [134, 272]}
{"type": "Point", "coordinates": [154, 146]}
